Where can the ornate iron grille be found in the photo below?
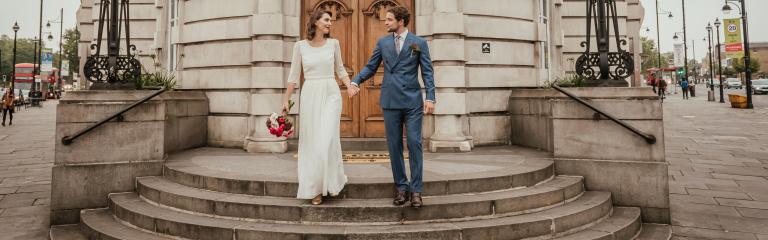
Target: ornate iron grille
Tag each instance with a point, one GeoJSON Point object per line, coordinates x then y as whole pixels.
{"type": "Point", "coordinates": [604, 68]}
{"type": "Point", "coordinates": [113, 70]}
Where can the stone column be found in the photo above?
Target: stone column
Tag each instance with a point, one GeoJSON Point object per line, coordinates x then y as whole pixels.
{"type": "Point", "coordinates": [445, 24]}
{"type": "Point", "coordinates": [274, 30]}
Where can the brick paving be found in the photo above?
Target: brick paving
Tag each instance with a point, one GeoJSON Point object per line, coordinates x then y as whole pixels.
{"type": "Point", "coordinates": [26, 158]}
{"type": "Point", "coordinates": [718, 160]}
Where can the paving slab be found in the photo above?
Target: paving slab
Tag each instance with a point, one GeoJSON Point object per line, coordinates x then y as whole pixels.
{"type": "Point", "coordinates": [721, 190]}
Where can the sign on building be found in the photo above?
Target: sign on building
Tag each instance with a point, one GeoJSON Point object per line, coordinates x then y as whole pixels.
{"type": "Point", "coordinates": [734, 47]}
{"type": "Point", "coordinates": [47, 60]}
{"type": "Point", "coordinates": [679, 55]}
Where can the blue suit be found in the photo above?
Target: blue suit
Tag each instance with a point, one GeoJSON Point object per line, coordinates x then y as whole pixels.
{"type": "Point", "coordinates": [402, 101]}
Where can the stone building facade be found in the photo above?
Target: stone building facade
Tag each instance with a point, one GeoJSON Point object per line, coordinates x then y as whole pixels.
{"type": "Point", "coordinates": [238, 53]}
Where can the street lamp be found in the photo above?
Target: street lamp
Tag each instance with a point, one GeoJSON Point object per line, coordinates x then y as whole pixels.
{"type": "Point", "coordinates": [711, 74]}
{"type": "Point", "coordinates": [719, 59]}
{"type": "Point", "coordinates": [34, 64]}
{"type": "Point", "coordinates": [61, 39]}
{"type": "Point", "coordinates": [747, 70]}
{"type": "Point", "coordinates": [13, 67]}
{"type": "Point", "coordinates": [658, 34]}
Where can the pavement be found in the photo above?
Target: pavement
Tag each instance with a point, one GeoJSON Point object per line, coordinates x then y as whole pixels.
{"type": "Point", "coordinates": [26, 158]}
{"type": "Point", "coordinates": [718, 166]}
{"type": "Point", "coordinates": [718, 169]}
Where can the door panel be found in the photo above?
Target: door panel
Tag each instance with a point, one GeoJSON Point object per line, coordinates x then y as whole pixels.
{"type": "Point", "coordinates": [358, 24]}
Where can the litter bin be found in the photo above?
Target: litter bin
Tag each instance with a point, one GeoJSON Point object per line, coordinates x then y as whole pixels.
{"type": "Point", "coordinates": [737, 101]}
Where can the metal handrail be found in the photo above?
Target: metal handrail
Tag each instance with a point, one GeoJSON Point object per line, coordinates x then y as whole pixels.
{"type": "Point", "coordinates": [67, 140]}
{"type": "Point", "coordinates": [649, 138]}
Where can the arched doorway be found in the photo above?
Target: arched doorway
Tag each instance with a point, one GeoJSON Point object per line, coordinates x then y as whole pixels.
{"type": "Point", "coordinates": [358, 24]}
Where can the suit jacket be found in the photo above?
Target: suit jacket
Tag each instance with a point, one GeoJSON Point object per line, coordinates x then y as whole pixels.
{"type": "Point", "coordinates": [400, 88]}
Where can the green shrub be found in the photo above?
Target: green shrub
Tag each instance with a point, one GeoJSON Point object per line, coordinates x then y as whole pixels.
{"type": "Point", "coordinates": [156, 81]}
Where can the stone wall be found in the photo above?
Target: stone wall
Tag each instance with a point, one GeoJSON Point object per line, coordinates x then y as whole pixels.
{"type": "Point", "coordinates": [610, 157]}
{"type": "Point", "coordinates": [109, 158]}
{"type": "Point", "coordinates": [239, 54]}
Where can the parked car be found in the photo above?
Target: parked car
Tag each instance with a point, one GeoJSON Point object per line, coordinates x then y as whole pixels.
{"type": "Point", "coordinates": [732, 83]}
{"type": "Point", "coordinates": [760, 86]}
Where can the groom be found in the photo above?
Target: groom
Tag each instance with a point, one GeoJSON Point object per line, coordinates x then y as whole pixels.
{"type": "Point", "coordinates": [403, 53]}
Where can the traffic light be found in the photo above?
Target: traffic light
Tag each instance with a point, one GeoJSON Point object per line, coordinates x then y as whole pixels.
{"type": "Point", "coordinates": [681, 72]}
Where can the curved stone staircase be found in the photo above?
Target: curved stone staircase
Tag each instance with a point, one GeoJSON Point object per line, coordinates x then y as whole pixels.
{"type": "Point", "coordinates": [515, 199]}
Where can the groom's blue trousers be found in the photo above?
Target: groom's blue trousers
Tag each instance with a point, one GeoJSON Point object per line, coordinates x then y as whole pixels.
{"type": "Point", "coordinates": [394, 120]}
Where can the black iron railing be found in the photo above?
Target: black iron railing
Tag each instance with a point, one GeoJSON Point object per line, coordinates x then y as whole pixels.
{"type": "Point", "coordinates": [67, 140]}
{"type": "Point", "coordinates": [649, 138]}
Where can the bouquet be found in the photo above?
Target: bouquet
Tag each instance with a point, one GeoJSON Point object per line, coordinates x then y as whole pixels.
{"type": "Point", "coordinates": [280, 125]}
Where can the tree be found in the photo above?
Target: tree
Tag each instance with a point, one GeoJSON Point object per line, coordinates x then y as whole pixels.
{"type": "Point", "coordinates": [24, 52]}
{"type": "Point", "coordinates": [651, 55]}
{"type": "Point", "coordinates": [71, 40]}
{"type": "Point", "coordinates": [754, 63]}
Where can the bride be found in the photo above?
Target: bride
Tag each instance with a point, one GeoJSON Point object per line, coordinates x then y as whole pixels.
{"type": "Point", "coordinates": [320, 167]}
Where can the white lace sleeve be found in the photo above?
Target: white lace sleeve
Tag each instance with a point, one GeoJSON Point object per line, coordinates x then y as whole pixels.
{"type": "Point", "coordinates": [295, 73]}
{"type": "Point", "coordinates": [340, 70]}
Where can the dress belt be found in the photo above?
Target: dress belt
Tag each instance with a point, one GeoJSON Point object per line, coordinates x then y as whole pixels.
{"type": "Point", "coordinates": [320, 78]}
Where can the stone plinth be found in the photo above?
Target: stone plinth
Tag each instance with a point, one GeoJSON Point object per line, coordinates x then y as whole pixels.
{"type": "Point", "coordinates": [109, 158]}
{"type": "Point", "coordinates": [610, 157]}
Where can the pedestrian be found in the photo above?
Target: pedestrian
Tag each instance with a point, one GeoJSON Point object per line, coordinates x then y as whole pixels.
{"type": "Point", "coordinates": [654, 81]}
{"type": "Point", "coordinates": [7, 106]}
{"type": "Point", "coordinates": [684, 87]}
{"type": "Point", "coordinates": [21, 100]}
{"type": "Point", "coordinates": [662, 88]}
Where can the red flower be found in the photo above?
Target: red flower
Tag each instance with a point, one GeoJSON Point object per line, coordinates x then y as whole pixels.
{"type": "Point", "coordinates": [288, 133]}
{"type": "Point", "coordinates": [281, 120]}
{"type": "Point", "coordinates": [280, 131]}
{"type": "Point", "coordinates": [272, 131]}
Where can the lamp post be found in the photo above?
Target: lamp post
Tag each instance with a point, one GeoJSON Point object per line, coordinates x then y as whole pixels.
{"type": "Point", "coordinates": [34, 65]}
{"type": "Point", "coordinates": [711, 74]}
{"type": "Point", "coordinates": [13, 67]}
{"type": "Point", "coordinates": [685, 44]}
{"type": "Point", "coordinates": [658, 35]}
{"type": "Point", "coordinates": [39, 52]}
{"type": "Point", "coordinates": [747, 70]}
{"type": "Point", "coordinates": [719, 59]}
{"type": "Point", "coordinates": [61, 39]}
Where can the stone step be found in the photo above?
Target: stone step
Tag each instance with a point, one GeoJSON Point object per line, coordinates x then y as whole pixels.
{"type": "Point", "coordinates": [510, 201]}
{"type": "Point", "coordinates": [586, 210]}
{"type": "Point", "coordinates": [624, 224]}
{"type": "Point", "coordinates": [67, 232]}
{"type": "Point", "coordinates": [100, 224]}
{"type": "Point", "coordinates": [222, 175]}
{"type": "Point", "coordinates": [655, 232]}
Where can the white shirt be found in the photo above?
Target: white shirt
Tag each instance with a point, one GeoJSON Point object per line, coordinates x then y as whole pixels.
{"type": "Point", "coordinates": [402, 39]}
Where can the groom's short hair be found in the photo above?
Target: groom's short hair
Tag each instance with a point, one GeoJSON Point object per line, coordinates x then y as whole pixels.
{"type": "Point", "coordinates": [401, 13]}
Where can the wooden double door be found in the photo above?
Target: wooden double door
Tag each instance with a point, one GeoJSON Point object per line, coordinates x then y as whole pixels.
{"type": "Point", "coordinates": [358, 24]}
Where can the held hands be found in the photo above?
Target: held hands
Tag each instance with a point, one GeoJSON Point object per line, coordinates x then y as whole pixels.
{"type": "Point", "coordinates": [286, 108]}
{"type": "Point", "coordinates": [352, 90]}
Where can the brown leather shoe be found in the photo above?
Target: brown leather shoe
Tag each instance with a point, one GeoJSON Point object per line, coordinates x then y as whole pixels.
{"type": "Point", "coordinates": [416, 201]}
{"type": "Point", "coordinates": [401, 198]}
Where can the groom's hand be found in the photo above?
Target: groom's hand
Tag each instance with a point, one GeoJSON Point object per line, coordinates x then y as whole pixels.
{"type": "Point", "coordinates": [429, 107]}
{"type": "Point", "coordinates": [352, 90]}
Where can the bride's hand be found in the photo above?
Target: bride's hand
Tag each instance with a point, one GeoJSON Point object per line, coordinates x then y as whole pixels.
{"type": "Point", "coordinates": [286, 108]}
{"type": "Point", "coordinates": [352, 90]}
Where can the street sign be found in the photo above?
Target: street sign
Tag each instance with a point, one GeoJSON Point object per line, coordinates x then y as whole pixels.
{"type": "Point", "coordinates": [679, 55]}
{"type": "Point", "coordinates": [734, 47]}
{"type": "Point", "coordinates": [64, 68]}
{"type": "Point", "coordinates": [47, 60]}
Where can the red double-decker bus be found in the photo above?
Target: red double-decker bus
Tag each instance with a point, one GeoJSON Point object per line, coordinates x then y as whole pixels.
{"type": "Point", "coordinates": [25, 78]}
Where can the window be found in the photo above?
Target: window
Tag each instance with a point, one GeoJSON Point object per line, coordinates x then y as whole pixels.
{"type": "Point", "coordinates": [544, 44]}
{"type": "Point", "coordinates": [173, 15]}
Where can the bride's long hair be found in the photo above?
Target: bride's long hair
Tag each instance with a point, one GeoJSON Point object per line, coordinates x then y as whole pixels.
{"type": "Point", "coordinates": [311, 28]}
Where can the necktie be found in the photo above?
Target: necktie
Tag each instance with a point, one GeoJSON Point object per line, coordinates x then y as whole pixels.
{"type": "Point", "coordinates": [397, 45]}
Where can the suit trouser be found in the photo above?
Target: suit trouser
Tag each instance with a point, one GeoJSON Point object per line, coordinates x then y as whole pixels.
{"type": "Point", "coordinates": [394, 120]}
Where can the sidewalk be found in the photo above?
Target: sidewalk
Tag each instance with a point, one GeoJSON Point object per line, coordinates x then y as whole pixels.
{"type": "Point", "coordinates": [718, 170]}
{"type": "Point", "coordinates": [26, 158]}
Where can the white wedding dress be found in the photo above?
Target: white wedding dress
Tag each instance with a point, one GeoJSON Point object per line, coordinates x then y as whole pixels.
{"type": "Point", "coordinates": [320, 167]}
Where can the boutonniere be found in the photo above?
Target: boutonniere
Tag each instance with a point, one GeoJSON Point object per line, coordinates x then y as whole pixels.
{"type": "Point", "coordinates": [415, 48]}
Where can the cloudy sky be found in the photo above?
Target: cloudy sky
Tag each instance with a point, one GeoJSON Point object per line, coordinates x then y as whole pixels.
{"type": "Point", "coordinates": [698, 13]}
